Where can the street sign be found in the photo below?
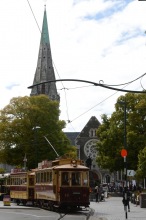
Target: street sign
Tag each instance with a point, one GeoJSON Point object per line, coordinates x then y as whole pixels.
{"type": "Point", "coordinates": [131, 172]}
{"type": "Point", "coordinates": [124, 153]}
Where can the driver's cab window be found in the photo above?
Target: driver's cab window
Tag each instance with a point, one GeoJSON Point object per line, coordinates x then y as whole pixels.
{"type": "Point", "coordinates": [75, 178]}
{"type": "Point", "coordinates": [65, 178]}
{"type": "Point", "coordinates": [85, 178]}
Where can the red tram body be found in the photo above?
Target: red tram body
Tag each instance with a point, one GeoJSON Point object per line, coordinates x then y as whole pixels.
{"type": "Point", "coordinates": [61, 183]}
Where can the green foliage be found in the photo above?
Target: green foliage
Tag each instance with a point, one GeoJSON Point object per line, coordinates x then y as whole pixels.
{"type": "Point", "coordinates": [141, 171]}
{"type": "Point", "coordinates": [111, 133]}
{"type": "Point", "coordinates": [2, 170]}
{"type": "Point", "coordinates": [17, 137]}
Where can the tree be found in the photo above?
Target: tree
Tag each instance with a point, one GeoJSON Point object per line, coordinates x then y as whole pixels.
{"type": "Point", "coordinates": [141, 171]}
{"type": "Point", "coordinates": [111, 133]}
{"type": "Point", "coordinates": [17, 137]}
{"type": "Point", "coordinates": [2, 170]}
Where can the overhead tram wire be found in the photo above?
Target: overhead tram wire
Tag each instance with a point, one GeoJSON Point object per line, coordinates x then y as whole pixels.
{"type": "Point", "coordinates": [127, 82]}
{"type": "Point", "coordinates": [53, 63]}
{"type": "Point", "coordinates": [34, 16]}
{"type": "Point", "coordinates": [65, 97]}
{"type": "Point", "coordinates": [97, 104]}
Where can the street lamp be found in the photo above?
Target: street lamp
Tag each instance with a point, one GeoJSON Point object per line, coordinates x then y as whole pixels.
{"type": "Point", "coordinates": [35, 128]}
{"type": "Point", "coordinates": [125, 159]}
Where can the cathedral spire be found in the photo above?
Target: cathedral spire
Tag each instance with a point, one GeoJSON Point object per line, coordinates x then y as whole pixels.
{"type": "Point", "coordinates": [45, 70]}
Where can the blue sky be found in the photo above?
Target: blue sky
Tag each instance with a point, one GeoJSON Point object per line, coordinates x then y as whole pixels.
{"type": "Point", "coordinates": [90, 39]}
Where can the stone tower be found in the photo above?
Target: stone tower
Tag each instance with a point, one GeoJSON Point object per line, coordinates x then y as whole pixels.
{"type": "Point", "coordinates": [45, 70]}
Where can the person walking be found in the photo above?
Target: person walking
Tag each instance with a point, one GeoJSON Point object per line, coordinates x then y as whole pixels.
{"type": "Point", "coordinates": [96, 192]}
{"type": "Point", "coordinates": [128, 198]}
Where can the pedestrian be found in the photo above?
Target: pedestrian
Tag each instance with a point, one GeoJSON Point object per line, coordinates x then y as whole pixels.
{"type": "Point", "coordinates": [96, 192]}
{"type": "Point", "coordinates": [128, 198]}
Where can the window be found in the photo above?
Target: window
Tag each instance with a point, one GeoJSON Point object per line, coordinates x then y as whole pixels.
{"type": "Point", "coordinates": [39, 177]}
{"type": "Point", "coordinates": [65, 178]}
{"type": "Point", "coordinates": [45, 177]}
{"type": "Point", "coordinates": [75, 178]}
{"type": "Point", "coordinates": [85, 178]}
{"type": "Point", "coordinates": [51, 177]}
{"type": "Point", "coordinates": [48, 177]}
{"type": "Point", "coordinates": [36, 177]}
{"type": "Point", "coordinates": [42, 177]}
{"type": "Point", "coordinates": [31, 181]}
{"type": "Point", "coordinates": [43, 89]}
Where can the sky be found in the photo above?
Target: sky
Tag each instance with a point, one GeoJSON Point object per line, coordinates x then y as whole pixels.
{"type": "Point", "coordinates": [93, 40]}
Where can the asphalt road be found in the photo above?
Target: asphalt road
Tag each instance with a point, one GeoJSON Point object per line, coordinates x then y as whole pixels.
{"type": "Point", "coordinates": [27, 214]}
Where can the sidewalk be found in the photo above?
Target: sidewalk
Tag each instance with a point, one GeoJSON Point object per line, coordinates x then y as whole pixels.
{"type": "Point", "coordinates": [15, 206]}
{"type": "Point", "coordinates": [113, 209]}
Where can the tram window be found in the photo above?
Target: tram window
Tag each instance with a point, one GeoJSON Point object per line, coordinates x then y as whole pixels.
{"type": "Point", "coordinates": [19, 181]}
{"type": "Point", "coordinates": [11, 181]}
{"type": "Point", "coordinates": [36, 177]}
{"type": "Point", "coordinates": [25, 181]}
{"type": "Point", "coordinates": [51, 177]}
{"type": "Point", "coordinates": [65, 178]}
{"type": "Point", "coordinates": [31, 181]}
{"type": "Point", "coordinates": [39, 179]}
{"type": "Point", "coordinates": [42, 177]}
{"type": "Point", "coordinates": [45, 177]}
{"type": "Point", "coordinates": [14, 181]}
{"type": "Point", "coordinates": [75, 178]}
{"type": "Point", "coordinates": [85, 178]}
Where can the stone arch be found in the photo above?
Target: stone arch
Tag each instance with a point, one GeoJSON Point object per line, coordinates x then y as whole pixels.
{"type": "Point", "coordinates": [107, 178]}
{"type": "Point", "coordinates": [97, 172]}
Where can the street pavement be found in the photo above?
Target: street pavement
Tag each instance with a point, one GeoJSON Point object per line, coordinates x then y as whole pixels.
{"type": "Point", "coordinates": [15, 206]}
{"type": "Point", "coordinates": [113, 209]}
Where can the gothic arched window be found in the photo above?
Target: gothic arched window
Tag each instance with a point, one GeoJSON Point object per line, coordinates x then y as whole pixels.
{"type": "Point", "coordinates": [43, 89]}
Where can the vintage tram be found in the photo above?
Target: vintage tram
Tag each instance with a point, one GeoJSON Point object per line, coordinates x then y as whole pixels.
{"type": "Point", "coordinates": [4, 184]}
{"type": "Point", "coordinates": [60, 183]}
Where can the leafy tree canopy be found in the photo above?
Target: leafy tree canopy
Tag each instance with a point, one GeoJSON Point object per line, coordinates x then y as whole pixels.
{"type": "Point", "coordinates": [17, 137]}
{"type": "Point", "coordinates": [111, 133]}
{"type": "Point", "coordinates": [141, 171]}
{"type": "Point", "coordinates": [2, 170]}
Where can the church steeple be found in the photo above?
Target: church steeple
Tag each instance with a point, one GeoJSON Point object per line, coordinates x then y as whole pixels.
{"type": "Point", "coordinates": [45, 70]}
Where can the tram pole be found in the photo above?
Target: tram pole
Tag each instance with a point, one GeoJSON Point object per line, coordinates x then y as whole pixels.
{"type": "Point", "coordinates": [35, 128]}
{"type": "Point", "coordinates": [125, 159]}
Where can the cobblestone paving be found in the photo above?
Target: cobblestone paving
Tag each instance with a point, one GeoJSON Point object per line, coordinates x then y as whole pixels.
{"type": "Point", "coordinates": [113, 209]}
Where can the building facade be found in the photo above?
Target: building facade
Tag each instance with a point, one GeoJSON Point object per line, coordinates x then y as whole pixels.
{"type": "Point", "coordinates": [85, 141]}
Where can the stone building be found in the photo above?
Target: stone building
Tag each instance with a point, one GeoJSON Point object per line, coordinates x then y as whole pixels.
{"type": "Point", "coordinates": [85, 143]}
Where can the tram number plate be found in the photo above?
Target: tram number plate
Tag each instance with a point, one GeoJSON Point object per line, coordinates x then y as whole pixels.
{"type": "Point", "coordinates": [76, 193]}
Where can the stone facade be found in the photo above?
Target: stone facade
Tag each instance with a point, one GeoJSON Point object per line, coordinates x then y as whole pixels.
{"type": "Point", "coordinates": [85, 143]}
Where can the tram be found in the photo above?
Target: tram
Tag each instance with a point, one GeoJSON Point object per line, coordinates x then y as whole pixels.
{"type": "Point", "coordinates": [57, 184]}
{"type": "Point", "coordinates": [4, 184]}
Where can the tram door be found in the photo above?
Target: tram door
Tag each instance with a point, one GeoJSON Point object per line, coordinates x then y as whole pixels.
{"type": "Point", "coordinates": [58, 184]}
{"type": "Point", "coordinates": [31, 187]}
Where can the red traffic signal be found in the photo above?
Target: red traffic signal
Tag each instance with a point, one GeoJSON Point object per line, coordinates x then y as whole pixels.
{"type": "Point", "coordinates": [123, 153]}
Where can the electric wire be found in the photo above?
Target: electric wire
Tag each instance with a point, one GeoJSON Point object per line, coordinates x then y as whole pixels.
{"type": "Point", "coordinates": [141, 83]}
{"type": "Point", "coordinates": [76, 87]}
{"type": "Point", "coordinates": [96, 105]}
{"type": "Point", "coordinates": [34, 16]}
{"type": "Point", "coordinates": [127, 82]}
{"type": "Point", "coordinates": [52, 61]}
